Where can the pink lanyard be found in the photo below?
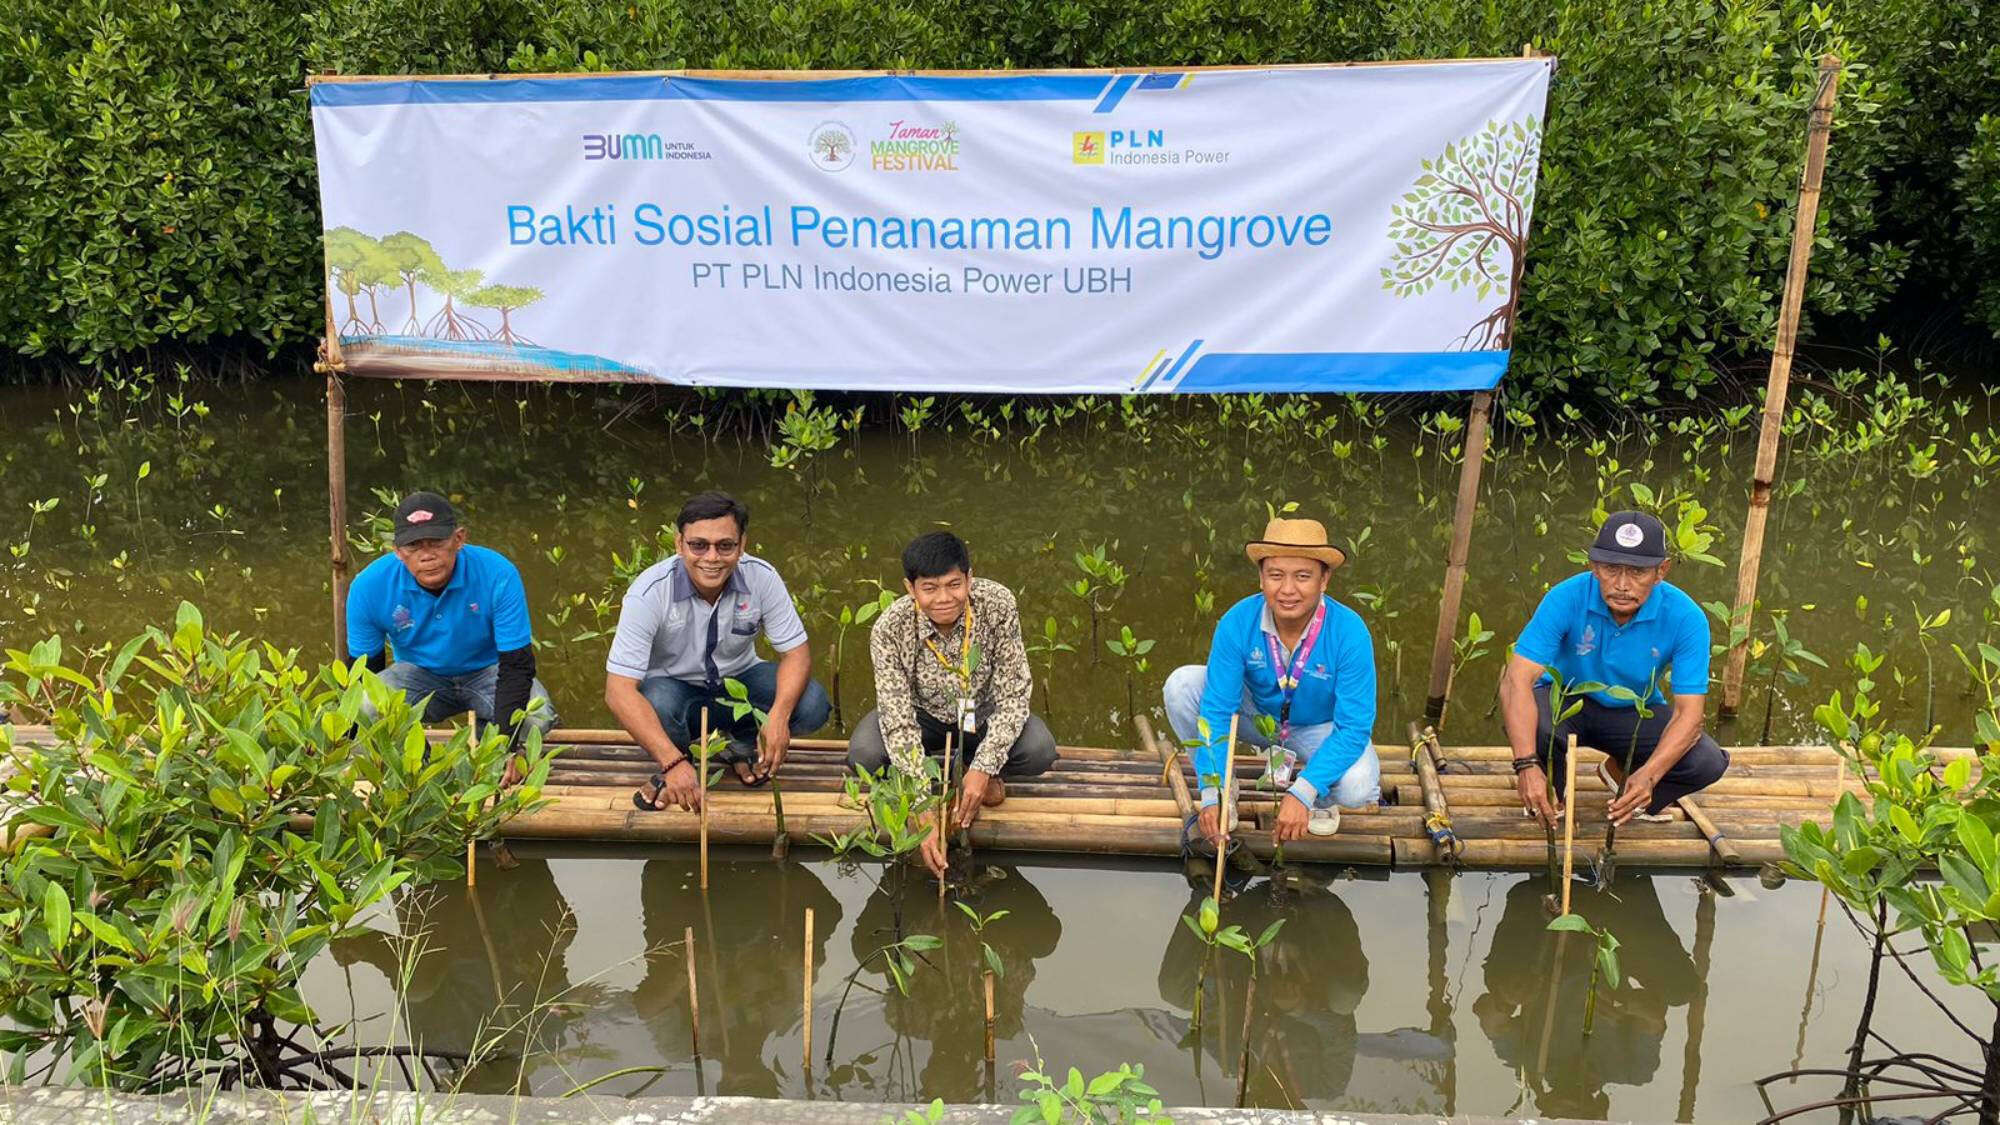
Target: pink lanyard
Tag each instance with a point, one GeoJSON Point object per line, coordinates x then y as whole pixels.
{"type": "Point", "coordinates": [1288, 679]}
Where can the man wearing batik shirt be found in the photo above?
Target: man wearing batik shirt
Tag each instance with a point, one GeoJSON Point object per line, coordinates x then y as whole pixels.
{"type": "Point", "coordinates": [950, 666]}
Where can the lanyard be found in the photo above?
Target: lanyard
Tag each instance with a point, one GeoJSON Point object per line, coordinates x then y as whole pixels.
{"type": "Point", "coordinates": [1288, 678]}
{"type": "Point", "coordinates": [957, 668]}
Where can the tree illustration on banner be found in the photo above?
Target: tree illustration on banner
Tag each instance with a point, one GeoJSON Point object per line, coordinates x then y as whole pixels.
{"type": "Point", "coordinates": [833, 144]}
{"type": "Point", "coordinates": [1464, 222]}
{"type": "Point", "coordinates": [449, 322]}
{"type": "Point", "coordinates": [357, 266]}
{"type": "Point", "coordinates": [505, 298]}
{"type": "Point", "coordinates": [411, 256]}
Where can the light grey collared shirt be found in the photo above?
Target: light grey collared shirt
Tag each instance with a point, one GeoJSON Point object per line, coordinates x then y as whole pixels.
{"type": "Point", "coordinates": [666, 629]}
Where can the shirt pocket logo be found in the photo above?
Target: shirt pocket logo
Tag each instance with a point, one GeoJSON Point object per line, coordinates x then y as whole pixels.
{"type": "Point", "coordinates": [742, 628]}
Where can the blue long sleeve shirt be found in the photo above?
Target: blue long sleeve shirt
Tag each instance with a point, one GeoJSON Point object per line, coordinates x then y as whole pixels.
{"type": "Point", "coordinates": [1338, 687]}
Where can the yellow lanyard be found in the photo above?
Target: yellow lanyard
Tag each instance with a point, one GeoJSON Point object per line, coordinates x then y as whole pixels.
{"type": "Point", "coordinates": [960, 668]}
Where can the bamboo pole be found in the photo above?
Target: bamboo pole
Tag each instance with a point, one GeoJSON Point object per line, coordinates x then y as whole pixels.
{"type": "Point", "coordinates": [807, 1023]}
{"type": "Point", "coordinates": [1225, 814]}
{"type": "Point", "coordinates": [1569, 819]}
{"type": "Point", "coordinates": [1422, 743]}
{"type": "Point", "coordinates": [944, 812]}
{"type": "Point", "coordinates": [1724, 850]}
{"type": "Point", "coordinates": [336, 504]}
{"type": "Point", "coordinates": [1818, 129]}
{"type": "Point", "coordinates": [1148, 740]}
{"type": "Point", "coordinates": [703, 807]}
{"type": "Point", "coordinates": [1243, 1060]}
{"type": "Point", "coordinates": [1466, 507]}
{"type": "Point", "coordinates": [988, 978]}
{"type": "Point", "coordinates": [472, 846]}
{"type": "Point", "coordinates": [694, 1001]}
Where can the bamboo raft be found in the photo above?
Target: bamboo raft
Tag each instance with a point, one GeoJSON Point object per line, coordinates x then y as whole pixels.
{"type": "Point", "coordinates": [1106, 801]}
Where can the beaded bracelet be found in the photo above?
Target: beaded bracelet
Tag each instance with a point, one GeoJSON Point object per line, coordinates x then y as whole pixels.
{"type": "Point", "coordinates": [1522, 765]}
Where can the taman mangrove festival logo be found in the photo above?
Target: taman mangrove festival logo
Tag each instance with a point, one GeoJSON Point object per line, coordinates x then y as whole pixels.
{"type": "Point", "coordinates": [914, 147]}
{"type": "Point", "coordinates": [831, 146]}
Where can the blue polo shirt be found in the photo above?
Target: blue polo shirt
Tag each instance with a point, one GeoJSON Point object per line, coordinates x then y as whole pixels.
{"type": "Point", "coordinates": [1338, 687]}
{"type": "Point", "coordinates": [1666, 642]}
{"type": "Point", "coordinates": [481, 612]}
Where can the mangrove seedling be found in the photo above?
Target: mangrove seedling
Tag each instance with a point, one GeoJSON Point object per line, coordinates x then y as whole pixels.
{"type": "Point", "coordinates": [851, 616]}
{"type": "Point", "coordinates": [1046, 648]}
{"type": "Point", "coordinates": [1102, 582]}
{"type": "Point", "coordinates": [1134, 651]}
{"type": "Point", "coordinates": [1603, 965]}
{"type": "Point", "coordinates": [1116, 1097]}
{"type": "Point", "coordinates": [979, 923]}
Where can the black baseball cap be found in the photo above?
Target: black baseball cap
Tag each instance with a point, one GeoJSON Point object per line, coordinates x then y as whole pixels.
{"type": "Point", "coordinates": [1630, 539]}
{"type": "Point", "coordinates": [424, 515]}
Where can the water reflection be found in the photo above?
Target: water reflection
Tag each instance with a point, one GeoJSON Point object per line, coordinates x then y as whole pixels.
{"type": "Point", "coordinates": [945, 1007]}
{"type": "Point", "coordinates": [486, 971]}
{"type": "Point", "coordinates": [750, 963]}
{"type": "Point", "coordinates": [1536, 986]}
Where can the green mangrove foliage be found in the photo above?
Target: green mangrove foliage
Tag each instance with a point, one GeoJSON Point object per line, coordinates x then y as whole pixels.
{"type": "Point", "coordinates": [206, 815]}
{"type": "Point", "coordinates": [1925, 811]}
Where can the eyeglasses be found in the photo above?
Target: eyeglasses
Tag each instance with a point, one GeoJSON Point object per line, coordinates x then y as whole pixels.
{"type": "Point", "coordinates": [721, 547]}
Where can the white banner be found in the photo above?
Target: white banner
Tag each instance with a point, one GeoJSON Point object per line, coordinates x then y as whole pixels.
{"type": "Point", "coordinates": [1311, 229]}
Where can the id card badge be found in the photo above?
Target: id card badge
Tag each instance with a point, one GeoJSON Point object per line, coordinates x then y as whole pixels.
{"type": "Point", "coordinates": [968, 718]}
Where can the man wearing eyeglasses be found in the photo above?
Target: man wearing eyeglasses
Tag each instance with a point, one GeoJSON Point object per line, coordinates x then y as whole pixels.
{"type": "Point", "coordinates": [1622, 639]}
{"type": "Point", "coordinates": [689, 625]}
{"type": "Point", "coordinates": [456, 617]}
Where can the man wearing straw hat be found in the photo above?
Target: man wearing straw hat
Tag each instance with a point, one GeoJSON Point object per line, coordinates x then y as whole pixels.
{"type": "Point", "coordinates": [1631, 637]}
{"type": "Point", "coordinates": [1292, 655]}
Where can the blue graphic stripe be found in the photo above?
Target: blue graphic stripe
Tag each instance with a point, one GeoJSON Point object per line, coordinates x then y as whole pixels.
{"type": "Point", "coordinates": [640, 87]}
{"type": "Point", "coordinates": [1116, 94]}
{"type": "Point", "coordinates": [1168, 377]}
{"type": "Point", "coordinates": [1160, 81]}
{"type": "Point", "coordinates": [1346, 372]}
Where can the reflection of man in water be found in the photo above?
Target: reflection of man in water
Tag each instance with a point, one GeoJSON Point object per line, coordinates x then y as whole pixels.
{"type": "Point", "coordinates": [750, 961]}
{"type": "Point", "coordinates": [946, 1007]}
{"type": "Point", "coordinates": [484, 967]}
{"type": "Point", "coordinates": [1624, 1045]}
{"type": "Point", "coordinates": [1311, 980]}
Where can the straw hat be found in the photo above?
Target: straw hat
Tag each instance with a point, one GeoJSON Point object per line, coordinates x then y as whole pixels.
{"type": "Point", "coordinates": [1296, 538]}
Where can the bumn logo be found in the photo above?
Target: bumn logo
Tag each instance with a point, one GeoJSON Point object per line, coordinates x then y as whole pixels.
{"type": "Point", "coordinates": [831, 146]}
{"type": "Point", "coordinates": [624, 146]}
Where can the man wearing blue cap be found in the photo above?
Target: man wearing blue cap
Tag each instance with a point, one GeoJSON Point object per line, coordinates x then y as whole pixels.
{"type": "Point", "coordinates": [456, 617]}
{"type": "Point", "coordinates": [1619, 625]}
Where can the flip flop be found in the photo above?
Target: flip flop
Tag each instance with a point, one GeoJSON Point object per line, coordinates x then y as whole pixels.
{"type": "Point", "coordinates": [658, 782]}
{"type": "Point", "coordinates": [741, 754]}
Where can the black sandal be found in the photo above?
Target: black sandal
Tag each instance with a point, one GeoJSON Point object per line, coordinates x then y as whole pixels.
{"type": "Point", "coordinates": [739, 754]}
{"type": "Point", "coordinates": [652, 804]}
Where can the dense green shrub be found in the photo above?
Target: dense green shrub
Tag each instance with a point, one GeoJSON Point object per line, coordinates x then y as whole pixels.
{"type": "Point", "coordinates": [1675, 137]}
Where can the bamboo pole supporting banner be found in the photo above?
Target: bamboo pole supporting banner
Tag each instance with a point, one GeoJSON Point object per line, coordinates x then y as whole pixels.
{"type": "Point", "coordinates": [806, 1024]}
{"type": "Point", "coordinates": [1466, 507]}
{"type": "Point", "coordinates": [1569, 819]}
{"type": "Point", "coordinates": [336, 505]}
{"type": "Point", "coordinates": [1819, 126]}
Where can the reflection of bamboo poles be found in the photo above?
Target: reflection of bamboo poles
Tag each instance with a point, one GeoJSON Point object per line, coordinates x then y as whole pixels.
{"type": "Point", "coordinates": [1549, 1007]}
{"type": "Point", "coordinates": [715, 972]}
{"type": "Point", "coordinates": [1243, 1060]}
{"type": "Point", "coordinates": [1812, 978]}
{"type": "Point", "coordinates": [1437, 895]}
{"type": "Point", "coordinates": [1697, 1016]}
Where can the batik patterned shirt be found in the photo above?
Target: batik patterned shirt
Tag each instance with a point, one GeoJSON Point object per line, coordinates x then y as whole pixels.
{"type": "Point", "coordinates": [909, 675]}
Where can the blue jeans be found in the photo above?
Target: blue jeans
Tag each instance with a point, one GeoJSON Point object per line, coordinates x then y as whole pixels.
{"type": "Point", "coordinates": [1362, 783]}
{"type": "Point", "coordinates": [679, 704]}
{"type": "Point", "coordinates": [455, 695]}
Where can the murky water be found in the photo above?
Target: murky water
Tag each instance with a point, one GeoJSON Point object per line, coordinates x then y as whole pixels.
{"type": "Point", "coordinates": [1408, 994]}
{"type": "Point", "coordinates": [1405, 993]}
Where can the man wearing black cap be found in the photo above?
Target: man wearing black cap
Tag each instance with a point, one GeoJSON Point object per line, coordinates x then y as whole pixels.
{"type": "Point", "coordinates": [456, 617]}
{"type": "Point", "coordinates": [1621, 627]}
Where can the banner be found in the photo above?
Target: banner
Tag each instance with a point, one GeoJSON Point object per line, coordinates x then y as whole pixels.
{"type": "Point", "coordinates": [1297, 229]}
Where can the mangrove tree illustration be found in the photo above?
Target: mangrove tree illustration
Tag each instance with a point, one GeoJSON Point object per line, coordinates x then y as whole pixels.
{"type": "Point", "coordinates": [833, 144]}
{"type": "Point", "coordinates": [360, 266]}
{"type": "Point", "coordinates": [1464, 223]}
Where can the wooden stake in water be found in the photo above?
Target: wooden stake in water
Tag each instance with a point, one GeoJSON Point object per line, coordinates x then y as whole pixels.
{"type": "Point", "coordinates": [1569, 819]}
{"type": "Point", "coordinates": [944, 811]}
{"type": "Point", "coordinates": [1225, 809]}
{"type": "Point", "coordinates": [807, 1025]}
{"type": "Point", "coordinates": [694, 1002]}
{"type": "Point", "coordinates": [989, 1017]}
{"type": "Point", "coordinates": [472, 846]}
{"type": "Point", "coordinates": [1243, 1061]}
{"type": "Point", "coordinates": [701, 793]}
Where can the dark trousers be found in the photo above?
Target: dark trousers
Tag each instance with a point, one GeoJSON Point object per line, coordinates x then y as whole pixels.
{"type": "Point", "coordinates": [679, 703]}
{"type": "Point", "coordinates": [1032, 753]}
{"type": "Point", "coordinates": [1613, 731]}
